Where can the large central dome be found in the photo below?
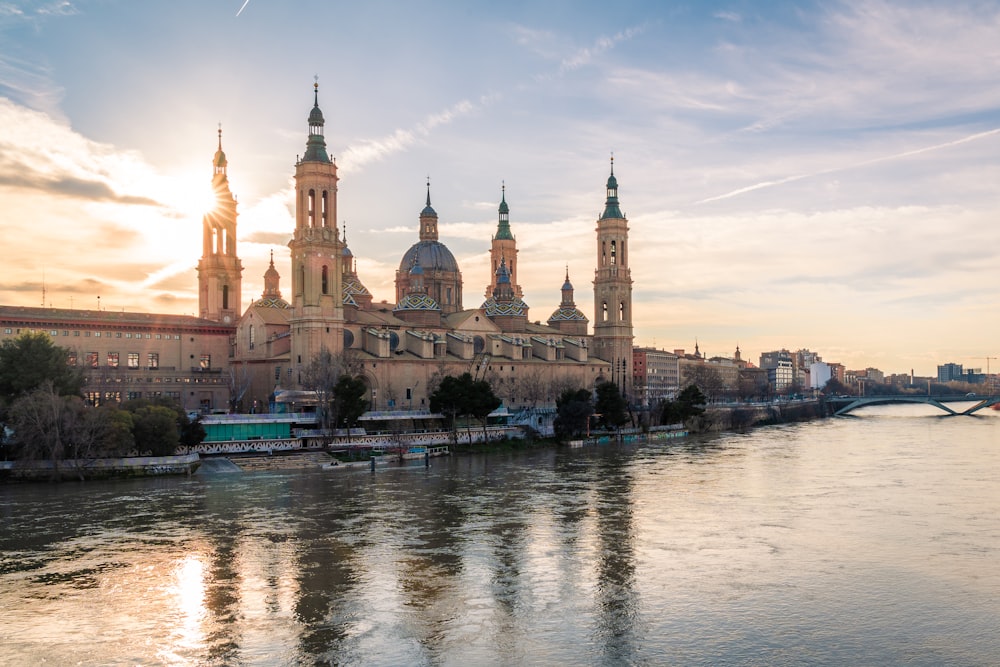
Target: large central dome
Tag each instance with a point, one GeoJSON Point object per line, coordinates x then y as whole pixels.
{"type": "Point", "coordinates": [430, 255]}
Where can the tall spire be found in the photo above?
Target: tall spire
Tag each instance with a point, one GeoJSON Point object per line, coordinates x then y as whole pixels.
{"type": "Point", "coordinates": [428, 218]}
{"type": "Point", "coordinates": [316, 144]}
{"type": "Point", "coordinates": [611, 208]}
{"type": "Point", "coordinates": [219, 162]}
{"type": "Point", "coordinates": [503, 224]}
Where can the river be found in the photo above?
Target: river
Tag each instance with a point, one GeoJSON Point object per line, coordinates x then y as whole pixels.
{"type": "Point", "coordinates": [860, 540]}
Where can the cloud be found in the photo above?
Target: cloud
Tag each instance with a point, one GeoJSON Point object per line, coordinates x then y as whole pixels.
{"type": "Point", "coordinates": [732, 17]}
{"type": "Point", "coordinates": [268, 238]}
{"type": "Point", "coordinates": [865, 163]}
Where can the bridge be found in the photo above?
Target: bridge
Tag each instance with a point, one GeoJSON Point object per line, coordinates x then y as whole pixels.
{"type": "Point", "coordinates": [847, 404]}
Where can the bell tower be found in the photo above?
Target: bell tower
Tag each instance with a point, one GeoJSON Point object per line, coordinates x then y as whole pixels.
{"type": "Point", "coordinates": [503, 248]}
{"type": "Point", "coordinates": [219, 269]}
{"type": "Point", "coordinates": [317, 320]}
{"type": "Point", "coordinates": [613, 291]}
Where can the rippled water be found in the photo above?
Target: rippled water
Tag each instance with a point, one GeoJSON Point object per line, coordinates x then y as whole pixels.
{"type": "Point", "coordinates": [870, 540]}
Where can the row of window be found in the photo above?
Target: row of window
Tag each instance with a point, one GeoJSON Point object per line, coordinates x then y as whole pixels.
{"type": "Point", "coordinates": [98, 334]}
{"type": "Point", "coordinates": [96, 398]}
{"type": "Point", "coordinates": [92, 359]}
{"type": "Point", "coordinates": [118, 379]}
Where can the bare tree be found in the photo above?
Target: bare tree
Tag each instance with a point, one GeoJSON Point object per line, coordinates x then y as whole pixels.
{"type": "Point", "coordinates": [322, 375]}
{"type": "Point", "coordinates": [532, 387]}
{"type": "Point", "coordinates": [708, 379]}
{"type": "Point", "coordinates": [238, 382]}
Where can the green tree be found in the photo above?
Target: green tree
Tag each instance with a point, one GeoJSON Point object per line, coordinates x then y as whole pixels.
{"type": "Point", "coordinates": [480, 401]}
{"type": "Point", "coordinates": [689, 403]}
{"type": "Point", "coordinates": [611, 405]}
{"type": "Point", "coordinates": [155, 430]}
{"type": "Point", "coordinates": [349, 401]}
{"type": "Point", "coordinates": [449, 401]}
{"type": "Point", "coordinates": [190, 432]}
{"type": "Point", "coordinates": [32, 359]}
{"type": "Point", "coordinates": [573, 411]}
{"type": "Point", "coordinates": [464, 396]}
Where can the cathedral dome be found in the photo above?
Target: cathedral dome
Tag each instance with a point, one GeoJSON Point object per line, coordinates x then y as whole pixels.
{"type": "Point", "coordinates": [430, 256]}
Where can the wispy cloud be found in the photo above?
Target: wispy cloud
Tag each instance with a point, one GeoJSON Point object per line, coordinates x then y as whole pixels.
{"type": "Point", "coordinates": [865, 163]}
{"type": "Point", "coordinates": [372, 150]}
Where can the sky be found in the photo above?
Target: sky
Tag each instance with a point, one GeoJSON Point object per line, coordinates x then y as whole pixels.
{"type": "Point", "coordinates": [795, 174]}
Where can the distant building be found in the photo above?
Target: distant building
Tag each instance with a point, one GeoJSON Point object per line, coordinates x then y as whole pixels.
{"type": "Point", "coordinates": [950, 373]}
{"type": "Point", "coordinates": [655, 375]}
{"type": "Point", "coordinates": [819, 374]}
{"type": "Point", "coordinates": [780, 368]}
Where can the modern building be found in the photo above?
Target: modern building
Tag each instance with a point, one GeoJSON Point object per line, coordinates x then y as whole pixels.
{"type": "Point", "coordinates": [950, 373]}
{"type": "Point", "coordinates": [655, 375]}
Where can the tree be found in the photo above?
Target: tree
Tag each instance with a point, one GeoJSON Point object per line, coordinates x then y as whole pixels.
{"type": "Point", "coordinates": [155, 430]}
{"type": "Point", "coordinates": [349, 401]}
{"type": "Point", "coordinates": [480, 401]}
{"type": "Point", "coordinates": [237, 380]}
{"type": "Point", "coordinates": [32, 359]}
{"type": "Point", "coordinates": [464, 396]}
{"type": "Point", "coordinates": [611, 405]}
{"type": "Point", "coordinates": [448, 400]}
{"type": "Point", "coordinates": [709, 380]}
{"type": "Point", "coordinates": [189, 431]}
{"type": "Point", "coordinates": [689, 403]}
{"type": "Point", "coordinates": [573, 411]}
{"type": "Point", "coordinates": [321, 376]}
{"type": "Point", "coordinates": [52, 427]}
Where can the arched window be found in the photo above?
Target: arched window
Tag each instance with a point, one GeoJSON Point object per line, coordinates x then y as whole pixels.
{"type": "Point", "coordinates": [604, 253]}
{"type": "Point", "coordinates": [302, 279]}
{"type": "Point", "coordinates": [253, 336]}
{"type": "Point", "coordinates": [225, 296]}
{"type": "Point", "coordinates": [325, 213]}
{"type": "Point", "coordinates": [621, 311]}
{"type": "Point", "coordinates": [604, 311]}
{"type": "Point", "coordinates": [312, 208]}
{"type": "Point", "coordinates": [614, 257]}
{"type": "Point", "coordinates": [325, 281]}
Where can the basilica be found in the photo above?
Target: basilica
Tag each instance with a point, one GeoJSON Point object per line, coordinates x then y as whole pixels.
{"type": "Point", "coordinates": [402, 349]}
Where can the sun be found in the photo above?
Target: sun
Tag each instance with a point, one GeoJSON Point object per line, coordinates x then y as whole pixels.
{"type": "Point", "coordinates": [191, 195]}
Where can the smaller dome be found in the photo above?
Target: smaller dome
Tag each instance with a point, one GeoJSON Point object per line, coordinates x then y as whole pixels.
{"type": "Point", "coordinates": [417, 302]}
{"type": "Point", "coordinates": [568, 315]}
{"type": "Point", "coordinates": [272, 302]}
{"type": "Point", "coordinates": [514, 307]}
{"type": "Point", "coordinates": [567, 285]}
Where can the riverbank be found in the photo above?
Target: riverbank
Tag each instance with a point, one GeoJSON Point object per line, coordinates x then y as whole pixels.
{"type": "Point", "coordinates": [84, 469]}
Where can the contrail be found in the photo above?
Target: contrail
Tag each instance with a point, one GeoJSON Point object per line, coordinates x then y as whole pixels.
{"type": "Point", "coordinates": [798, 177]}
{"type": "Point", "coordinates": [245, 3]}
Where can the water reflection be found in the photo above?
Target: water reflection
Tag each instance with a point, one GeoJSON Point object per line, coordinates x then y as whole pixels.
{"type": "Point", "coordinates": [616, 594]}
{"type": "Point", "coordinates": [820, 543]}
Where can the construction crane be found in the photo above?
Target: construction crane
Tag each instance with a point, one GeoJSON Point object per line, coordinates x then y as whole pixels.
{"type": "Point", "coordinates": [987, 362]}
{"type": "Point", "coordinates": [990, 382]}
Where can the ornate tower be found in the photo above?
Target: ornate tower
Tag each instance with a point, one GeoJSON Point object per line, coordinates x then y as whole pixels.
{"type": "Point", "coordinates": [317, 301]}
{"type": "Point", "coordinates": [503, 248]}
{"type": "Point", "coordinates": [219, 269]}
{"type": "Point", "coordinates": [613, 291]}
{"type": "Point", "coordinates": [568, 318]}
